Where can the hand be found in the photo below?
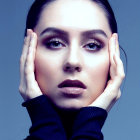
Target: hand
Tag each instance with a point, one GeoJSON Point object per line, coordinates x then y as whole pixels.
{"type": "Point", "coordinates": [112, 91]}
{"type": "Point", "coordinates": [28, 85]}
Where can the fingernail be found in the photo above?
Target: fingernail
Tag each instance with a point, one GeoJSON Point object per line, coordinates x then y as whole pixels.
{"type": "Point", "coordinates": [116, 40]}
{"type": "Point", "coordinates": [114, 37]}
{"type": "Point", "coordinates": [113, 41]}
{"type": "Point", "coordinates": [28, 32]}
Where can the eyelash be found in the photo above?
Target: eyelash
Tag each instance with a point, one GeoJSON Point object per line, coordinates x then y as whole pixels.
{"type": "Point", "coordinates": [54, 44]}
{"type": "Point", "coordinates": [94, 46]}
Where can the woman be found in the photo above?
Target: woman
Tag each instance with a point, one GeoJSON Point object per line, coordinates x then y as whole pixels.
{"type": "Point", "coordinates": [70, 68]}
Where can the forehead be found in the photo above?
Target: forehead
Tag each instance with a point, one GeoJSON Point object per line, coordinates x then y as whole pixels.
{"type": "Point", "coordinates": [73, 14]}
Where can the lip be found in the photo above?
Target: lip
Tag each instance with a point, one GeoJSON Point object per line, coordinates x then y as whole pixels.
{"type": "Point", "coordinates": [72, 88]}
{"type": "Point", "coordinates": [72, 83]}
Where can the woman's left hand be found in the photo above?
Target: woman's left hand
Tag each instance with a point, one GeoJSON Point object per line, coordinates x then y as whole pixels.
{"type": "Point", "coordinates": [28, 87]}
{"type": "Point", "coordinates": [112, 91]}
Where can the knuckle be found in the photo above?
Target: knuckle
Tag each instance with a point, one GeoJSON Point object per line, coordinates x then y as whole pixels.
{"type": "Point", "coordinates": [26, 40]}
{"type": "Point", "coordinates": [29, 60]}
{"type": "Point", "coordinates": [21, 89]}
{"type": "Point", "coordinates": [122, 75]}
{"type": "Point", "coordinates": [30, 91]}
{"type": "Point", "coordinates": [118, 96]}
{"type": "Point", "coordinates": [27, 92]}
{"type": "Point", "coordinates": [113, 94]}
{"type": "Point", "coordinates": [28, 70]}
{"type": "Point", "coordinates": [22, 59]}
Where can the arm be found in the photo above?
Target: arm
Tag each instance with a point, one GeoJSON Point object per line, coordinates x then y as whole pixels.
{"type": "Point", "coordinates": [88, 124]}
{"type": "Point", "coordinates": [46, 124]}
{"type": "Point", "coordinates": [112, 91]}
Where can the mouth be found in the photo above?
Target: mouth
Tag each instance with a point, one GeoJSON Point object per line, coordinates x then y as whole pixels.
{"type": "Point", "coordinates": [72, 83]}
{"type": "Point", "coordinates": [72, 87]}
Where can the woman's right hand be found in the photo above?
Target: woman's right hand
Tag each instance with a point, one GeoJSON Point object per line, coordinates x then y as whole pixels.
{"type": "Point", "coordinates": [112, 91]}
{"type": "Point", "coordinates": [28, 87]}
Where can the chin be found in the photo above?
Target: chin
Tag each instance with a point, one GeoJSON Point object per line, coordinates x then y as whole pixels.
{"type": "Point", "coordinates": [70, 105]}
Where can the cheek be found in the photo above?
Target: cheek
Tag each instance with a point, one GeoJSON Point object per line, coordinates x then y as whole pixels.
{"type": "Point", "coordinates": [98, 65]}
{"type": "Point", "coordinates": [97, 70]}
{"type": "Point", "coordinates": [46, 68]}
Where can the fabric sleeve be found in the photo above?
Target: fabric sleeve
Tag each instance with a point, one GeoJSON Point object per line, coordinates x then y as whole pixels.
{"type": "Point", "coordinates": [88, 124]}
{"type": "Point", "coordinates": [46, 124]}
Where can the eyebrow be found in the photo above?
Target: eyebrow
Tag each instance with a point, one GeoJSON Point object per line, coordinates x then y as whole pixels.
{"type": "Point", "coordinates": [54, 30]}
{"type": "Point", "coordinates": [62, 32]}
{"type": "Point", "coordinates": [93, 32]}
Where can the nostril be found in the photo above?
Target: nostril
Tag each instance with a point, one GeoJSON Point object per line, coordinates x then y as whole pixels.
{"type": "Point", "coordinates": [78, 69]}
{"type": "Point", "coordinates": [71, 68]}
{"type": "Point", "coordinates": [68, 68]}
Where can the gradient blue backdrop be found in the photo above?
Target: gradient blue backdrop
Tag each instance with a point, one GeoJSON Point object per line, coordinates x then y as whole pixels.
{"type": "Point", "coordinates": [123, 122]}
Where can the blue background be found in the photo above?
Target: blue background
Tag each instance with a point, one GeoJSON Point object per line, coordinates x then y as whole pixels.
{"type": "Point", "coordinates": [123, 122]}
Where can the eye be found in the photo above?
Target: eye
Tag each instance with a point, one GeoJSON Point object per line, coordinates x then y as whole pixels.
{"type": "Point", "coordinates": [93, 46]}
{"type": "Point", "coordinates": [54, 44]}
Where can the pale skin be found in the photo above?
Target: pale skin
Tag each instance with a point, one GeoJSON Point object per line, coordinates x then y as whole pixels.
{"type": "Point", "coordinates": [30, 88]}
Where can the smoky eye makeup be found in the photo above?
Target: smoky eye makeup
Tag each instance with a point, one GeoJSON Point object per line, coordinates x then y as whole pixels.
{"type": "Point", "coordinates": [93, 44]}
{"type": "Point", "coordinates": [54, 42]}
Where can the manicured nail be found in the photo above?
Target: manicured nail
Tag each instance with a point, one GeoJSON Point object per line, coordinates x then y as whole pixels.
{"type": "Point", "coordinates": [114, 37]}
{"type": "Point", "coordinates": [28, 32]}
{"type": "Point", "coordinates": [113, 40]}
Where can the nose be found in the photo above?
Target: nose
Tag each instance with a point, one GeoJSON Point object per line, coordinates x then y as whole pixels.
{"type": "Point", "coordinates": [73, 61]}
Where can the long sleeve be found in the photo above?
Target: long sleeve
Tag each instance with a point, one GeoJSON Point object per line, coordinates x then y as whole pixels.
{"type": "Point", "coordinates": [88, 124]}
{"type": "Point", "coordinates": [48, 124]}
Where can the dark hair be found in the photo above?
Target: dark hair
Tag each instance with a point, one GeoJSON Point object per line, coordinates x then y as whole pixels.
{"type": "Point", "coordinates": [104, 4]}
{"type": "Point", "coordinates": [38, 5]}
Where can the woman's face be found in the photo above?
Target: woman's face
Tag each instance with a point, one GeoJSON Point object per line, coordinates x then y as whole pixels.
{"type": "Point", "coordinates": [72, 58]}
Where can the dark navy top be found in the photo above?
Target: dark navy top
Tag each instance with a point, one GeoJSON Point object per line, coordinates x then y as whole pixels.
{"type": "Point", "coordinates": [52, 123]}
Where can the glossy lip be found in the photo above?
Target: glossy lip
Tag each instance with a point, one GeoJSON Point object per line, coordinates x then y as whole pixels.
{"type": "Point", "coordinates": [72, 88]}
{"type": "Point", "coordinates": [72, 84]}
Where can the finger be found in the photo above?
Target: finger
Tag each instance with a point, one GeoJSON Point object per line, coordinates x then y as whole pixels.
{"type": "Point", "coordinates": [117, 50]}
{"type": "Point", "coordinates": [120, 74]}
{"type": "Point", "coordinates": [29, 68]}
{"type": "Point", "coordinates": [112, 47]}
{"type": "Point", "coordinates": [24, 52]}
{"type": "Point", "coordinates": [26, 44]}
{"type": "Point", "coordinates": [111, 54]}
{"type": "Point", "coordinates": [27, 41]}
{"type": "Point", "coordinates": [119, 95]}
{"type": "Point", "coordinates": [115, 83]}
{"type": "Point", "coordinates": [112, 92]}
